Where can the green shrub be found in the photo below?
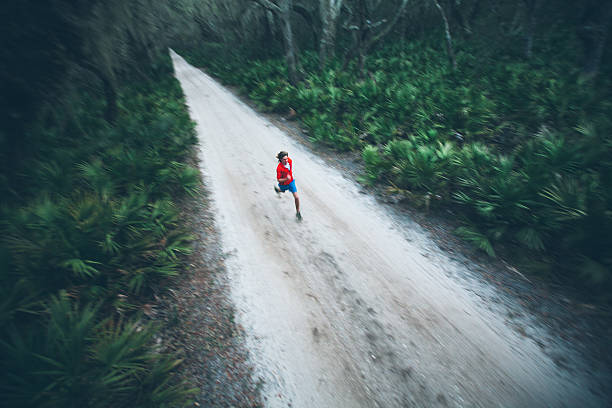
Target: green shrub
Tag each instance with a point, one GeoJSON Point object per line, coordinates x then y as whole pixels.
{"type": "Point", "coordinates": [501, 140]}
{"type": "Point", "coordinates": [76, 360]}
{"type": "Point", "coordinates": [373, 164]}
{"type": "Point", "coordinates": [90, 214]}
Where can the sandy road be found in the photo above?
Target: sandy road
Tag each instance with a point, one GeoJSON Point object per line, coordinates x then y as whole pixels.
{"type": "Point", "coordinates": [348, 308]}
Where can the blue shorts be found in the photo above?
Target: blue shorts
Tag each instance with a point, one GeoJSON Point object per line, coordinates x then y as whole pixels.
{"type": "Point", "coordinates": [291, 187]}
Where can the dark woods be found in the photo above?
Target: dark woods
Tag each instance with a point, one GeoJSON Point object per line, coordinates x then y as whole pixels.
{"type": "Point", "coordinates": [498, 111]}
{"type": "Point", "coordinates": [93, 137]}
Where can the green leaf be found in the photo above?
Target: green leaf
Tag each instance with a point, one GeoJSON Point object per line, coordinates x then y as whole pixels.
{"type": "Point", "coordinates": [81, 268]}
{"type": "Point", "coordinates": [477, 239]}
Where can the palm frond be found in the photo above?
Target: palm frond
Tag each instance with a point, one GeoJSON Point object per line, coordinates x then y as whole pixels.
{"type": "Point", "coordinates": [531, 238]}
{"type": "Point", "coordinates": [81, 268]}
{"type": "Point", "coordinates": [477, 239]}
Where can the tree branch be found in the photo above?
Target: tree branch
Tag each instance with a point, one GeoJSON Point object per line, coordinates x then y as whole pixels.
{"type": "Point", "coordinates": [269, 5]}
{"type": "Point", "coordinates": [389, 27]}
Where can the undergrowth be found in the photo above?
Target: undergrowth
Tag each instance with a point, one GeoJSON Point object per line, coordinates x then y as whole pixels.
{"type": "Point", "coordinates": [519, 149]}
{"type": "Point", "coordinates": [89, 227]}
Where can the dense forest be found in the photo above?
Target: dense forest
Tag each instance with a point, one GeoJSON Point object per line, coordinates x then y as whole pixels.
{"type": "Point", "coordinates": [495, 111]}
{"type": "Point", "coordinates": [94, 142]}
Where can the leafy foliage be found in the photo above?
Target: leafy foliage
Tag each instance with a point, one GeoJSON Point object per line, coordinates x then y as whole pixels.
{"type": "Point", "coordinates": [520, 148]}
{"type": "Point", "coordinates": [82, 361]}
{"type": "Point", "coordinates": [91, 216]}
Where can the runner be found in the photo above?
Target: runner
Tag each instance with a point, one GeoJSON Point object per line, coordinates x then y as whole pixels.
{"type": "Point", "coordinates": [284, 175]}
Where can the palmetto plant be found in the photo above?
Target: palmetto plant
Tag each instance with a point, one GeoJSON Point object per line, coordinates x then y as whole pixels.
{"type": "Point", "coordinates": [399, 149]}
{"type": "Point", "coordinates": [85, 240]}
{"type": "Point", "coordinates": [93, 218]}
{"type": "Point", "coordinates": [43, 244]}
{"type": "Point", "coordinates": [149, 240]}
{"type": "Point", "coordinates": [176, 176]}
{"type": "Point", "coordinates": [322, 129]}
{"type": "Point", "coordinates": [283, 99]}
{"type": "Point", "coordinates": [52, 176]}
{"type": "Point", "coordinates": [402, 98]}
{"type": "Point", "coordinates": [309, 98]}
{"type": "Point", "coordinates": [70, 358]}
{"type": "Point", "coordinates": [548, 154]}
{"type": "Point", "coordinates": [525, 170]}
{"type": "Point", "coordinates": [369, 91]}
{"type": "Point", "coordinates": [498, 200]}
{"type": "Point", "coordinates": [17, 298]}
{"type": "Point", "coordinates": [265, 91]}
{"type": "Point", "coordinates": [565, 200]}
{"type": "Point", "coordinates": [424, 168]}
{"type": "Point", "coordinates": [373, 163]}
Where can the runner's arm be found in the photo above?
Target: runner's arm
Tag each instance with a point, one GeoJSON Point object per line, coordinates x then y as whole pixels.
{"type": "Point", "coordinates": [280, 178]}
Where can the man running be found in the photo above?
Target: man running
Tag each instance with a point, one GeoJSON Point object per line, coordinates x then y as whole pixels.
{"type": "Point", "coordinates": [284, 175]}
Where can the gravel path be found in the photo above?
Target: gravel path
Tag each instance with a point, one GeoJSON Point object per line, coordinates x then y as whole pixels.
{"type": "Point", "coordinates": [199, 319]}
{"type": "Point", "coordinates": [367, 310]}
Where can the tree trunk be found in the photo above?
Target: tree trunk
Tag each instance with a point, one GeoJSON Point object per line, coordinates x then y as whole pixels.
{"type": "Point", "coordinates": [309, 20]}
{"type": "Point", "coordinates": [473, 14]}
{"type": "Point", "coordinates": [110, 94]}
{"type": "Point", "coordinates": [530, 24]}
{"type": "Point", "coordinates": [107, 77]}
{"type": "Point", "coordinates": [270, 26]}
{"type": "Point", "coordinates": [457, 15]}
{"type": "Point", "coordinates": [388, 28]}
{"type": "Point", "coordinates": [330, 11]}
{"type": "Point", "coordinates": [361, 62]}
{"type": "Point", "coordinates": [447, 34]}
{"type": "Point", "coordinates": [596, 25]}
{"type": "Point", "coordinates": [364, 42]}
{"type": "Point", "coordinates": [359, 31]}
{"type": "Point", "coordinates": [290, 49]}
{"type": "Point", "coordinates": [283, 10]}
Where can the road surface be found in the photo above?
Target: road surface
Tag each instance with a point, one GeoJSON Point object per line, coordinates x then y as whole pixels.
{"type": "Point", "coordinates": [348, 308]}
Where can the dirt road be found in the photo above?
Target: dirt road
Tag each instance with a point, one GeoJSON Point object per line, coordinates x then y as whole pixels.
{"type": "Point", "coordinates": [351, 308]}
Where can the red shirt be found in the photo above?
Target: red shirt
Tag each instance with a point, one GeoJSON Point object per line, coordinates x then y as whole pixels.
{"type": "Point", "coordinates": [282, 171]}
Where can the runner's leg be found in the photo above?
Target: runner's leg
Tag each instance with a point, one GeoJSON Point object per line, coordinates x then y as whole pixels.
{"type": "Point", "coordinates": [297, 202]}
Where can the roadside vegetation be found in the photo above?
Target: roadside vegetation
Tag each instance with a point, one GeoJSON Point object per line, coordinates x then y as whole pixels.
{"type": "Point", "coordinates": [512, 138]}
{"type": "Point", "coordinates": [94, 143]}
{"type": "Point", "coordinates": [90, 228]}
{"type": "Point", "coordinates": [495, 110]}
